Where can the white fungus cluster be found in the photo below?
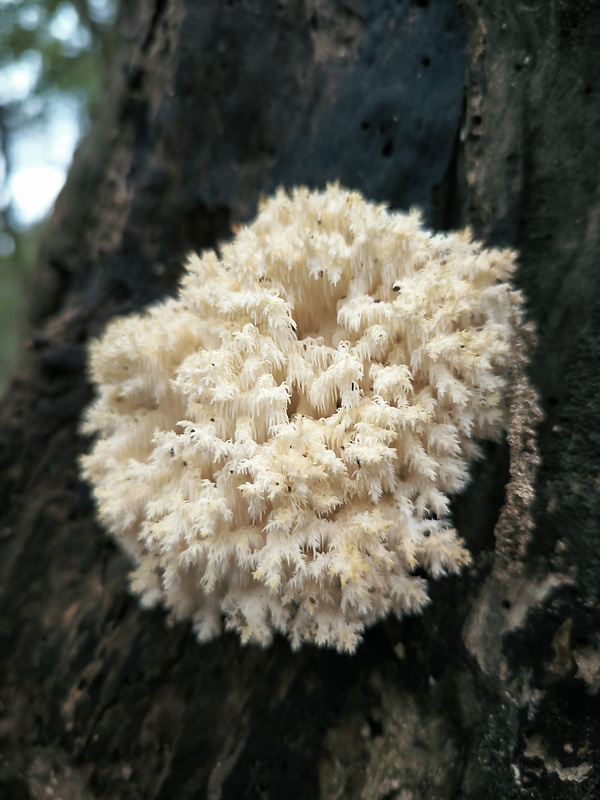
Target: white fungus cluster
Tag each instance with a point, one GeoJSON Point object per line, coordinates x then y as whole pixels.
{"type": "Point", "coordinates": [275, 447]}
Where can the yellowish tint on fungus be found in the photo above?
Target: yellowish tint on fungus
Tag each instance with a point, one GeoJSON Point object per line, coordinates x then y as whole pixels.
{"type": "Point", "coordinates": [276, 446]}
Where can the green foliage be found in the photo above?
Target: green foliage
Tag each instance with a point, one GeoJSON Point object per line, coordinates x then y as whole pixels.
{"type": "Point", "coordinates": [52, 52]}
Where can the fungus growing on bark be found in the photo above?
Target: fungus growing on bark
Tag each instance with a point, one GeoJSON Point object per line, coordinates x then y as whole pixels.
{"type": "Point", "coordinates": [276, 446]}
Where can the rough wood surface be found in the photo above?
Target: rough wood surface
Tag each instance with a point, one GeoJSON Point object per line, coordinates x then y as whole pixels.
{"type": "Point", "coordinates": [485, 114]}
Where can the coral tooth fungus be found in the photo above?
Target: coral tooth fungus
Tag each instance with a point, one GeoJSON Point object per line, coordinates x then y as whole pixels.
{"type": "Point", "coordinates": [275, 447]}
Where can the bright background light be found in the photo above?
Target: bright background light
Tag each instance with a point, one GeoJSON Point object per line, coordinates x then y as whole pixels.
{"type": "Point", "coordinates": [52, 58]}
{"type": "Point", "coordinates": [40, 159]}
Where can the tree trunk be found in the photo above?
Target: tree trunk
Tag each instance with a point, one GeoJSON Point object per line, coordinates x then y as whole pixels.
{"type": "Point", "coordinates": [484, 113]}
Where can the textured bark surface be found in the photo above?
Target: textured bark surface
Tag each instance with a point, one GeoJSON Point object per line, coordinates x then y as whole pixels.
{"type": "Point", "coordinates": [485, 114]}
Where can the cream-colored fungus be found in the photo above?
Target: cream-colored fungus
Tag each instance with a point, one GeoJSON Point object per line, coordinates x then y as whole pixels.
{"type": "Point", "coordinates": [276, 446]}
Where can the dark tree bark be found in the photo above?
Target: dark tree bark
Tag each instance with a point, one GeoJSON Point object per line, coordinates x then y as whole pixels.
{"type": "Point", "coordinates": [484, 113]}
